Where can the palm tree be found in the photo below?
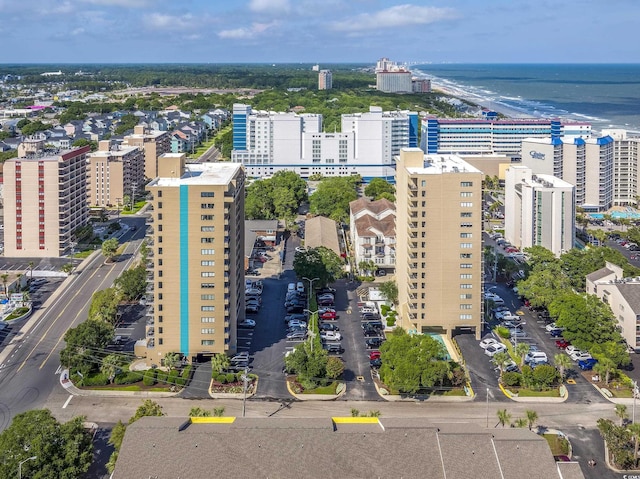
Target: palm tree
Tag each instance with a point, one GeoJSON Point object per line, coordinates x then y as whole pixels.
{"type": "Point", "coordinates": [521, 350]}
{"type": "Point", "coordinates": [621, 412]}
{"type": "Point", "coordinates": [500, 359]}
{"type": "Point", "coordinates": [199, 412]}
{"type": "Point", "coordinates": [521, 422]}
{"type": "Point", "coordinates": [562, 362]}
{"type": "Point", "coordinates": [634, 430]}
{"type": "Point", "coordinates": [109, 248]}
{"type": "Point", "coordinates": [220, 362]}
{"type": "Point", "coordinates": [5, 278]}
{"type": "Point", "coordinates": [110, 365]}
{"type": "Point", "coordinates": [31, 265]}
{"type": "Point", "coordinates": [604, 368]}
{"type": "Point", "coordinates": [532, 417]}
{"type": "Point", "coordinates": [218, 411]}
{"type": "Point", "coordinates": [503, 417]}
{"type": "Point", "coordinates": [171, 360]}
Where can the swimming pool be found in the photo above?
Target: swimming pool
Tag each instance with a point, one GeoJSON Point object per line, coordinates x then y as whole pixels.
{"type": "Point", "coordinates": [438, 338]}
{"type": "Point", "coordinates": [618, 215]}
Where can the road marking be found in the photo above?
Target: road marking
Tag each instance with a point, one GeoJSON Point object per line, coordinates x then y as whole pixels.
{"type": "Point", "coordinates": [59, 370]}
{"type": "Point", "coordinates": [66, 403]}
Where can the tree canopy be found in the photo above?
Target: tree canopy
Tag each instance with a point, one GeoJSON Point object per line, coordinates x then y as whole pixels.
{"type": "Point", "coordinates": [321, 263]}
{"type": "Point", "coordinates": [132, 283]}
{"type": "Point", "coordinates": [277, 197]}
{"type": "Point", "coordinates": [86, 345]}
{"type": "Point", "coordinates": [333, 195]}
{"type": "Point", "coordinates": [379, 186]}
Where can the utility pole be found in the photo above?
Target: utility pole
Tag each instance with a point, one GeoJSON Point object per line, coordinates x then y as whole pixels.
{"type": "Point", "coordinates": [635, 394]}
{"type": "Point", "coordinates": [487, 408]}
{"type": "Point", "coordinates": [245, 381]}
{"type": "Point", "coordinates": [134, 185]}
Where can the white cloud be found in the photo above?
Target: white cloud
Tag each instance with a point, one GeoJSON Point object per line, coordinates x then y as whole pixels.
{"type": "Point", "coordinates": [78, 31]}
{"type": "Point", "coordinates": [269, 6]}
{"type": "Point", "coordinates": [255, 30]}
{"type": "Point", "coordinates": [170, 22]}
{"type": "Point", "coordinates": [120, 3]}
{"type": "Point", "coordinates": [394, 17]}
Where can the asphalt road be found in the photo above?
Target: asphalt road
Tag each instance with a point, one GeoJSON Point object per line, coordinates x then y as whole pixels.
{"type": "Point", "coordinates": [30, 365]}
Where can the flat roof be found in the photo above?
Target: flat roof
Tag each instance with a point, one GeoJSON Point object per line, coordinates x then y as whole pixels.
{"type": "Point", "coordinates": [123, 150]}
{"type": "Point", "coordinates": [202, 174]}
{"type": "Point", "coordinates": [439, 164]}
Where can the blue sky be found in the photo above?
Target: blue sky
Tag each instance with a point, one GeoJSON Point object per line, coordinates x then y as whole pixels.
{"type": "Point", "coordinates": [325, 31]}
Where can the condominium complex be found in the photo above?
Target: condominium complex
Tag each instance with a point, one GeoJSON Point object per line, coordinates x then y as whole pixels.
{"type": "Point", "coordinates": [487, 136]}
{"type": "Point", "coordinates": [197, 263]}
{"type": "Point", "coordinates": [626, 156]}
{"type": "Point", "coordinates": [325, 80]}
{"type": "Point", "coordinates": [49, 191]}
{"type": "Point", "coordinates": [373, 232]}
{"type": "Point", "coordinates": [114, 172]}
{"type": "Point", "coordinates": [153, 142]}
{"type": "Point", "coordinates": [266, 142]}
{"type": "Point", "coordinates": [439, 243]}
{"type": "Point", "coordinates": [392, 78]}
{"type": "Point", "coordinates": [588, 164]}
{"type": "Point", "coordinates": [539, 210]}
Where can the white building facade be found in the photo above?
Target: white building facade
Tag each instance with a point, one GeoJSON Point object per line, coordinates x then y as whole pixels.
{"type": "Point", "coordinates": [539, 210]}
{"type": "Point", "coordinates": [373, 232]}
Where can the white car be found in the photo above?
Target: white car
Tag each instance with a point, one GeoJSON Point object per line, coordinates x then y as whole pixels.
{"type": "Point", "coordinates": [486, 342]}
{"type": "Point", "coordinates": [494, 349]}
{"type": "Point", "coordinates": [297, 323]}
{"type": "Point", "coordinates": [252, 292]}
{"type": "Point", "coordinates": [551, 327]}
{"type": "Point", "coordinates": [536, 357]}
{"type": "Point", "coordinates": [580, 356]}
{"type": "Point", "coordinates": [240, 357]}
{"type": "Point", "coordinates": [330, 336]}
{"type": "Point", "coordinates": [570, 349]}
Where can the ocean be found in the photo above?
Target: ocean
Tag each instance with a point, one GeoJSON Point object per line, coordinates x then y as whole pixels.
{"type": "Point", "coordinates": [606, 95]}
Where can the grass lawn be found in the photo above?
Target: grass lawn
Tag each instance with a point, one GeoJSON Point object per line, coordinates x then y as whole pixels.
{"type": "Point", "coordinates": [529, 393]}
{"type": "Point", "coordinates": [330, 389]}
{"type": "Point", "coordinates": [17, 313]}
{"type": "Point", "coordinates": [452, 392]}
{"type": "Point", "coordinates": [621, 393]}
{"type": "Point", "coordinates": [136, 208]}
{"type": "Point", "coordinates": [83, 254]}
{"type": "Point", "coordinates": [132, 387]}
{"type": "Point", "coordinates": [559, 445]}
{"type": "Point", "coordinates": [203, 147]}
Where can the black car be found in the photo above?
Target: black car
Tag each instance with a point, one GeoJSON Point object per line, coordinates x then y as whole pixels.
{"type": "Point", "coordinates": [371, 332]}
{"type": "Point", "coordinates": [333, 348]}
{"type": "Point", "coordinates": [328, 327]}
{"type": "Point", "coordinates": [326, 290]}
{"type": "Point", "coordinates": [375, 363]}
{"type": "Point", "coordinates": [373, 324]}
{"type": "Point", "coordinates": [374, 343]}
{"type": "Point", "coordinates": [295, 310]}
{"type": "Point", "coordinates": [301, 317]}
{"type": "Point", "coordinates": [370, 317]}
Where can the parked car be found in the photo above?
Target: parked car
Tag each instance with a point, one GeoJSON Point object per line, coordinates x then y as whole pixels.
{"type": "Point", "coordinates": [570, 349]}
{"type": "Point", "coordinates": [582, 356]}
{"type": "Point", "coordinates": [535, 358]}
{"type": "Point", "coordinates": [240, 357]}
{"type": "Point", "coordinates": [330, 336]}
{"type": "Point", "coordinates": [326, 289]}
{"type": "Point", "coordinates": [326, 310]}
{"type": "Point", "coordinates": [322, 296]}
{"type": "Point", "coordinates": [551, 326]}
{"type": "Point", "coordinates": [325, 302]}
{"type": "Point", "coordinates": [290, 317]}
{"type": "Point", "coordinates": [250, 308]}
{"type": "Point", "coordinates": [562, 343]}
{"type": "Point", "coordinates": [367, 309]}
{"type": "Point", "coordinates": [295, 310]}
{"type": "Point", "coordinates": [374, 343]}
{"type": "Point", "coordinates": [328, 327]}
{"type": "Point", "coordinates": [508, 367]}
{"type": "Point", "coordinates": [301, 249]}
{"type": "Point", "coordinates": [373, 324]}
{"type": "Point", "coordinates": [371, 332]}
{"type": "Point", "coordinates": [486, 342]}
{"type": "Point", "coordinates": [333, 348]}
{"type": "Point", "coordinates": [556, 333]}
{"type": "Point", "coordinates": [512, 325]}
{"type": "Point", "coordinates": [247, 323]}
{"type": "Point", "coordinates": [374, 355]}
{"type": "Point", "coordinates": [587, 364]}
{"type": "Point", "coordinates": [517, 333]}
{"type": "Point", "coordinates": [370, 317]}
{"type": "Point", "coordinates": [375, 363]}
{"type": "Point", "coordinates": [297, 322]}
{"type": "Point", "coordinates": [296, 335]}
{"type": "Point", "coordinates": [494, 349]}
{"type": "Point", "coordinates": [328, 315]}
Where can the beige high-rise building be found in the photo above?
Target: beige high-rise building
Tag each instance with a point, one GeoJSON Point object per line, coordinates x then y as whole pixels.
{"type": "Point", "coordinates": [439, 243]}
{"type": "Point", "coordinates": [197, 274]}
{"type": "Point", "coordinates": [45, 200]}
{"type": "Point", "coordinates": [114, 174]}
{"type": "Point", "coordinates": [325, 80]}
{"type": "Point", "coordinates": [153, 142]}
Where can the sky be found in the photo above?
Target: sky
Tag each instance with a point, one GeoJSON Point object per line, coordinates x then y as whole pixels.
{"type": "Point", "coordinates": [322, 31]}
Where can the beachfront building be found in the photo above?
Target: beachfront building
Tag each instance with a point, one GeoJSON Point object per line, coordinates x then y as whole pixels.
{"type": "Point", "coordinates": [373, 232]}
{"type": "Point", "coordinates": [585, 163]}
{"type": "Point", "coordinates": [439, 243]}
{"type": "Point", "coordinates": [153, 142]}
{"type": "Point", "coordinates": [45, 198]}
{"type": "Point", "coordinates": [267, 142]}
{"type": "Point", "coordinates": [196, 270]}
{"type": "Point", "coordinates": [539, 210]}
{"type": "Point", "coordinates": [467, 136]}
{"type": "Point", "coordinates": [392, 78]}
{"type": "Point", "coordinates": [626, 156]}
{"type": "Point", "coordinates": [325, 80]}
{"type": "Point", "coordinates": [622, 295]}
{"type": "Point", "coordinates": [113, 171]}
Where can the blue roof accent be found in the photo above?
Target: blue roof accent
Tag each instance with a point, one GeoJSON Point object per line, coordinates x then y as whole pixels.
{"type": "Point", "coordinates": [556, 141]}
{"type": "Point", "coordinates": [578, 141]}
{"type": "Point", "coordinates": [605, 140]}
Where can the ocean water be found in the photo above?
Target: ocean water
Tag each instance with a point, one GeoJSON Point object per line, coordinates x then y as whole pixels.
{"type": "Point", "coordinates": [607, 95]}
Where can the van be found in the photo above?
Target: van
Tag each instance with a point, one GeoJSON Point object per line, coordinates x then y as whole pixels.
{"type": "Point", "coordinates": [534, 358]}
{"type": "Point", "coordinates": [291, 287]}
{"type": "Point", "coordinates": [300, 287]}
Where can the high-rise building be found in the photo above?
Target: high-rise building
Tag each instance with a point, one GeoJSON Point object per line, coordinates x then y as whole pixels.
{"type": "Point", "coordinates": [115, 172]}
{"type": "Point", "coordinates": [325, 80]}
{"type": "Point", "coordinates": [588, 164]}
{"type": "Point", "coordinates": [266, 142]}
{"type": "Point", "coordinates": [45, 198]}
{"type": "Point", "coordinates": [439, 243]}
{"type": "Point", "coordinates": [392, 78]}
{"type": "Point", "coordinates": [464, 136]}
{"type": "Point", "coordinates": [539, 210]}
{"type": "Point", "coordinates": [626, 156]}
{"type": "Point", "coordinates": [197, 274]}
{"type": "Point", "coordinates": [153, 142]}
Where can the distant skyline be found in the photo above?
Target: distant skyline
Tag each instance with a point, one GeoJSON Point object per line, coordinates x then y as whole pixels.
{"type": "Point", "coordinates": [310, 31]}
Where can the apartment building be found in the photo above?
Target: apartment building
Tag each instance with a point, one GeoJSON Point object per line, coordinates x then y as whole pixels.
{"type": "Point", "coordinates": [49, 191]}
{"type": "Point", "coordinates": [196, 275]}
{"type": "Point", "coordinates": [114, 172]}
{"type": "Point", "coordinates": [325, 80]}
{"type": "Point", "coordinates": [267, 142]}
{"type": "Point", "coordinates": [392, 78]}
{"type": "Point", "coordinates": [539, 210]}
{"type": "Point", "coordinates": [439, 243]}
{"type": "Point", "coordinates": [153, 142]}
{"type": "Point", "coordinates": [626, 153]}
{"type": "Point", "coordinates": [588, 164]}
{"type": "Point", "coordinates": [373, 232]}
{"type": "Point", "coordinates": [463, 136]}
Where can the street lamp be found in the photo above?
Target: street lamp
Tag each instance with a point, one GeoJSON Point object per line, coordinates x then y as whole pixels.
{"type": "Point", "coordinates": [311, 332]}
{"type": "Point", "coordinates": [32, 458]}
{"type": "Point", "coordinates": [310, 287]}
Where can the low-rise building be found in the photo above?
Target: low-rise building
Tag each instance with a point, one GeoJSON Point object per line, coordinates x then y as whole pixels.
{"type": "Point", "coordinates": [322, 231]}
{"type": "Point", "coordinates": [373, 232]}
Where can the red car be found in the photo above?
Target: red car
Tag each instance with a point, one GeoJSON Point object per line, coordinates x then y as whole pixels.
{"type": "Point", "coordinates": [374, 355]}
{"type": "Point", "coordinates": [562, 343]}
{"type": "Point", "coordinates": [328, 315]}
{"type": "Point", "coordinates": [511, 249]}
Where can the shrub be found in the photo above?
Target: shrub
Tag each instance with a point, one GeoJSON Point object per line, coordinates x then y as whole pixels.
{"type": "Point", "coordinates": [511, 379]}
{"type": "Point", "coordinates": [222, 378]}
{"type": "Point", "coordinates": [149, 378]}
{"type": "Point", "coordinates": [384, 309]}
{"type": "Point", "coordinates": [391, 321]}
{"type": "Point", "coordinates": [231, 377]}
{"type": "Point", "coordinates": [161, 376]}
{"type": "Point", "coordinates": [503, 332]}
{"type": "Point", "coordinates": [173, 377]}
{"type": "Point", "coordinates": [128, 377]}
{"type": "Point", "coordinates": [215, 375]}
{"type": "Point", "coordinates": [98, 379]}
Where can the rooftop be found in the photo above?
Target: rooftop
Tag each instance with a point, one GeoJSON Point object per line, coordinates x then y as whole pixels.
{"type": "Point", "coordinates": [201, 174]}
{"type": "Point", "coordinates": [439, 164]}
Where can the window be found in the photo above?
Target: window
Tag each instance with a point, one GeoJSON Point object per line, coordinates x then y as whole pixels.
{"type": "Point", "coordinates": [159, 204]}
{"type": "Point", "coordinates": [159, 284]}
{"type": "Point", "coordinates": [206, 194]}
{"type": "Point", "coordinates": [466, 235]}
{"type": "Point", "coordinates": [159, 193]}
{"type": "Point", "coordinates": [466, 225]}
{"type": "Point", "coordinates": [207, 251]}
{"type": "Point", "coordinates": [466, 265]}
{"type": "Point", "coordinates": [207, 217]}
{"type": "Point", "coordinates": [207, 297]}
{"type": "Point", "coordinates": [207, 342]}
{"type": "Point", "coordinates": [207, 206]}
{"type": "Point", "coordinates": [207, 308]}
{"type": "Point", "coordinates": [207, 285]}
{"type": "Point", "coordinates": [466, 184]}
{"type": "Point", "coordinates": [207, 331]}
{"type": "Point", "coordinates": [207, 263]}
{"type": "Point", "coordinates": [466, 276]}
{"type": "Point", "coordinates": [466, 245]}
{"type": "Point", "coordinates": [466, 204]}
{"type": "Point", "coordinates": [207, 229]}
{"type": "Point", "coordinates": [466, 306]}
{"type": "Point", "coordinates": [207, 274]}
{"type": "Point", "coordinates": [159, 250]}
{"type": "Point", "coordinates": [159, 216]}
{"type": "Point", "coordinates": [160, 331]}
{"type": "Point", "coordinates": [207, 319]}
{"type": "Point", "coordinates": [465, 316]}
{"type": "Point", "coordinates": [466, 194]}
{"type": "Point", "coordinates": [466, 296]}
{"type": "Point", "coordinates": [160, 318]}
{"type": "Point", "coordinates": [465, 214]}
{"type": "Point", "coordinates": [206, 240]}
{"type": "Point", "coordinates": [466, 255]}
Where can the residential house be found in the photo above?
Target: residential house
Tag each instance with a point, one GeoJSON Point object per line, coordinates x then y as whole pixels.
{"type": "Point", "coordinates": [373, 232]}
{"type": "Point", "coordinates": [321, 231]}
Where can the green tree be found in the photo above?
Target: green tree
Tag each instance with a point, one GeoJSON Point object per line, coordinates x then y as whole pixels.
{"type": "Point", "coordinates": [104, 306]}
{"type": "Point", "coordinates": [220, 362]}
{"type": "Point", "coordinates": [218, 411]}
{"type": "Point", "coordinates": [520, 422]}
{"type": "Point", "coordinates": [85, 345]}
{"type": "Point", "coordinates": [147, 408]}
{"type": "Point", "coordinates": [332, 197]}
{"type": "Point", "coordinates": [115, 439]}
{"type": "Point", "coordinates": [34, 127]}
{"type": "Point", "coordinates": [501, 359]}
{"type": "Point", "coordinates": [321, 263]}
{"type": "Point", "coordinates": [545, 375]}
{"type": "Point", "coordinates": [171, 360]}
{"type": "Point", "coordinates": [61, 450]}
{"type": "Point", "coordinates": [199, 412]}
{"type": "Point", "coordinates": [615, 351]}
{"type": "Point", "coordinates": [110, 365]}
{"type": "Point", "coordinates": [634, 430]}
{"type": "Point", "coordinates": [127, 122]}
{"type": "Point", "coordinates": [335, 367]}
{"type": "Point", "coordinates": [377, 187]}
{"type": "Point", "coordinates": [504, 417]}
{"type": "Point", "coordinates": [621, 412]}
{"type": "Point", "coordinates": [80, 142]}
{"type": "Point", "coordinates": [521, 350]}
{"type": "Point", "coordinates": [605, 368]}
{"type": "Point", "coordinates": [309, 362]}
{"type": "Point", "coordinates": [532, 417]}
{"type": "Point", "coordinates": [110, 248]}
{"type": "Point", "coordinates": [132, 283]}
{"type": "Point", "coordinates": [5, 278]}
{"type": "Point", "coordinates": [562, 362]}
{"type": "Point", "coordinates": [389, 290]}
{"type": "Point", "coordinates": [67, 268]}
